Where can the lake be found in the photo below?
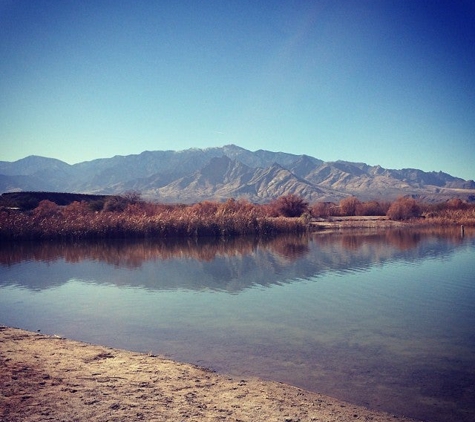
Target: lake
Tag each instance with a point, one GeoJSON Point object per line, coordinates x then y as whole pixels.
{"type": "Point", "coordinates": [381, 319]}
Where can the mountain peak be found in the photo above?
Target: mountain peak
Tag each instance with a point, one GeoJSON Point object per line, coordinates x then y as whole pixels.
{"type": "Point", "coordinates": [30, 165]}
{"type": "Point", "coordinates": [230, 171]}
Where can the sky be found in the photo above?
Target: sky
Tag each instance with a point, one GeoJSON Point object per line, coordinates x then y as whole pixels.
{"type": "Point", "coordinates": [384, 82]}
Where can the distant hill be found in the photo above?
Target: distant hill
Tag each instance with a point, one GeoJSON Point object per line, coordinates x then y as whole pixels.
{"type": "Point", "coordinates": [230, 171]}
{"type": "Point", "coordinates": [29, 200]}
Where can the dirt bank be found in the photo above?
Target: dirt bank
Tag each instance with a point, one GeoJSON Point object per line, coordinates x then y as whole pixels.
{"type": "Point", "coordinates": [46, 378]}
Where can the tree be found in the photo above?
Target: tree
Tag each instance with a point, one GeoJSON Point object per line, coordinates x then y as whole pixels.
{"type": "Point", "coordinates": [349, 206]}
{"type": "Point", "coordinates": [290, 206]}
{"type": "Point", "coordinates": [321, 209]}
{"type": "Point", "coordinates": [404, 209]}
{"type": "Point", "coordinates": [132, 197]}
{"type": "Point", "coordinates": [121, 202]}
{"type": "Point", "coordinates": [373, 208]}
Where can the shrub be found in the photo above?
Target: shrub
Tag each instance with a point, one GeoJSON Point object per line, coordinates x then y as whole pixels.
{"type": "Point", "coordinates": [372, 208]}
{"type": "Point", "coordinates": [46, 208]}
{"type": "Point", "coordinates": [456, 204]}
{"type": "Point", "coordinates": [96, 205]}
{"type": "Point", "coordinates": [289, 206]}
{"type": "Point", "coordinates": [321, 209]}
{"type": "Point", "coordinates": [115, 204]}
{"type": "Point", "coordinates": [349, 206]}
{"type": "Point", "coordinates": [404, 209]}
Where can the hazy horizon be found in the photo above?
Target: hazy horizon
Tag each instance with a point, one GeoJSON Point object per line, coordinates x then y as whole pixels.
{"type": "Point", "coordinates": [387, 83]}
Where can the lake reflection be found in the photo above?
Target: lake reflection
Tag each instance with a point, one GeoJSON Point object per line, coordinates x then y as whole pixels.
{"type": "Point", "coordinates": [382, 319]}
{"type": "Point", "coordinates": [230, 265]}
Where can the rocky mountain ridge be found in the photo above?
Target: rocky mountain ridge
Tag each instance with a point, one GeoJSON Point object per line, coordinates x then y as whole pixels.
{"type": "Point", "coordinates": [230, 171]}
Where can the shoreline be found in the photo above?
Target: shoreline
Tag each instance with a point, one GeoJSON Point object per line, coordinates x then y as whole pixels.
{"type": "Point", "coordinates": [45, 377]}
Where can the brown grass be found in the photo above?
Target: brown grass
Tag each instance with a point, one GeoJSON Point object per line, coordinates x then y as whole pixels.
{"type": "Point", "coordinates": [144, 220]}
{"type": "Point", "coordinates": [132, 218]}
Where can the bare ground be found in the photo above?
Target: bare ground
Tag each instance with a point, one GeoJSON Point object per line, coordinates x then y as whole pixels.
{"type": "Point", "coordinates": [46, 378]}
{"type": "Point", "coordinates": [357, 222]}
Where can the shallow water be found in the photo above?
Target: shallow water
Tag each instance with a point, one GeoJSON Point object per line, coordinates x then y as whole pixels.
{"type": "Point", "coordinates": [384, 320]}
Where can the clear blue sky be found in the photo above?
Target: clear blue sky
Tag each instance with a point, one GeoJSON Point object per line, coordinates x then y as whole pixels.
{"type": "Point", "coordinates": [389, 82]}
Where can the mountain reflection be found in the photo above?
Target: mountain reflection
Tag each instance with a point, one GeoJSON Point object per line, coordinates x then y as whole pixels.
{"type": "Point", "coordinates": [230, 265]}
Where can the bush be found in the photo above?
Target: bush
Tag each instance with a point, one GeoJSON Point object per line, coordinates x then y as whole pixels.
{"type": "Point", "coordinates": [456, 204]}
{"type": "Point", "coordinates": [289, 206]}
{"type": "Point", "coordinates": [349, 206]}
{"type": "Point", "coordinates": [404, 209]}
{"type": "Point", "coordinates": [45, 208]}
{"type": "Point", "coordinates": [372, 208]}
{"type": "Point", "coordinates": [96, 205]}
{"type": "Point", "coordinates": [321, 209]}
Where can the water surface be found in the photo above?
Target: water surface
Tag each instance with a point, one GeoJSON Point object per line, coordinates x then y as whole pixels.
{"type": "Point", "coordinates": [384, 320]}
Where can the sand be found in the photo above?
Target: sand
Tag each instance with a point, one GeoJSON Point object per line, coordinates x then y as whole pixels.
{"type": "Point", "coordinates": [48, 378]}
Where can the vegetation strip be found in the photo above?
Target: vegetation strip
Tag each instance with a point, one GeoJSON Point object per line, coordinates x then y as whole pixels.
{"type": "Point", "coordinates": [129, 217]}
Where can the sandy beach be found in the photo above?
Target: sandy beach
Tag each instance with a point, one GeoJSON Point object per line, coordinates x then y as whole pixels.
{"type": "Point", "coordinates": [46, 378]}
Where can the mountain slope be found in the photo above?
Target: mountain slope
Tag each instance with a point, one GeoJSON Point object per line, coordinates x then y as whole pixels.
{"type": "Point", "coordinates": [229, 171]}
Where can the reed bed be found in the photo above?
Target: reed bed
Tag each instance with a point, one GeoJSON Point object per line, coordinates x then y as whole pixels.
{"type": "Point", "coordinates": [450, 217]}
{"type": "Point", "coordinates": [142, 220]}
{"type": "Point", "coordinates": [132, 218]}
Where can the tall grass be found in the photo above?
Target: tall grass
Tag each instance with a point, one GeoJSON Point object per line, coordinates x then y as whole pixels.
{"type": "Point", "coordinates": [132, 218]}
{"type": "Point", "coordinates": [144, 220]}
{"type": "Point", "coordinates": [403, 209]}
{"type": "Point", "coordinates": [451, 216]}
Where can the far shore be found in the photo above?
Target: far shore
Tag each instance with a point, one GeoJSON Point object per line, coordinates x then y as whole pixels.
{"type": "Point", "coordinates": [357, 222]}
{"type": "Point", "coordinates": [349, 224]}
{"type": "Point", "coordinates": [45, 377]}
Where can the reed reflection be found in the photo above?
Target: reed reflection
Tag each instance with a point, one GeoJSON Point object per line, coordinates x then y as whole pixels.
{"type": "Point", "coordinates": [133, 253]}
{"type": "Point", "coordinates": [230, 265]}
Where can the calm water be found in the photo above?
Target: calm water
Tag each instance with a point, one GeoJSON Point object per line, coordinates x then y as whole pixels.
{"type": "Point", "coordinates": [383, 320]}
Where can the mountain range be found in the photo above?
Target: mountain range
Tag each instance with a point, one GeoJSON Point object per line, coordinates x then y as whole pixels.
{"type": "Point", "coordinates": [230, 171]}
